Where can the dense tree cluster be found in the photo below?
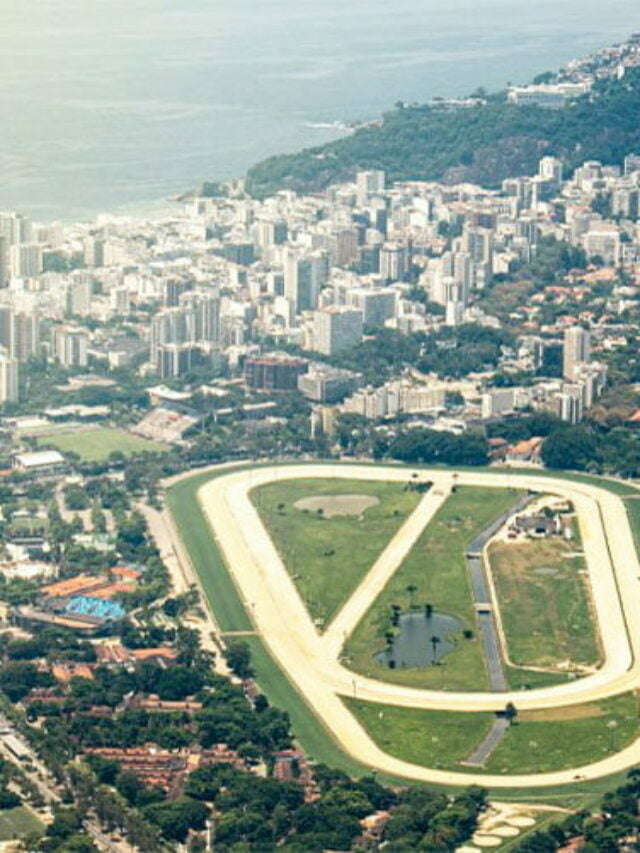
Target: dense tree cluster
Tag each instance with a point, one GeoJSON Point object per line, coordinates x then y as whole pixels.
{"type": "Point", "coordinates": [482, 145]}
{"type": "Point", "coordinates": [605, 833]}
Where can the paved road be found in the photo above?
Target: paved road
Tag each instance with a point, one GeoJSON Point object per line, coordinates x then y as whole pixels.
{"type": "Point", "coordinates": [483, 599]}
{"type": "Point", "coordinates": [282, 619]}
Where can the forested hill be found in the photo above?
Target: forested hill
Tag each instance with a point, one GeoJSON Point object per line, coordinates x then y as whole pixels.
{"type": "Point", "coordinates": [483, 144]}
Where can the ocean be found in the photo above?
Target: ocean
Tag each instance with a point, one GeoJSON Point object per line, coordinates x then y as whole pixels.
{"type": "Point", "coordinates": [116, 105]}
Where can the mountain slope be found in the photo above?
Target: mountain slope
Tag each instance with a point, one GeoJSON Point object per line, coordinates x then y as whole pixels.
{"type": "Point", "coordinates": [484, 144]}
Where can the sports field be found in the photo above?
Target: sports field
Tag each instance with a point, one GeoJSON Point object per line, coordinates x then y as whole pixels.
{"type": "Point", "coordinates": [435, 572]}
{"type": "Point", "coordinates": [96, 445]}
{"type": "Point", "coordinates": [328, 554]}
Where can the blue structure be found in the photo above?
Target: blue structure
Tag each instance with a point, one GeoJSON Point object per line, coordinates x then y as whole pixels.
{"type": "Point", "coordinates": [83, 605]}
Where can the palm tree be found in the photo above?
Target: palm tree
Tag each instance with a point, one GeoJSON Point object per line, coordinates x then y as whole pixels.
{"type": "Point", "coordinates": [428, 611]}
{"type": "Point", "coordinates": [510, 712]}
{"type": "Point", "coordinates": [435, 642]}
{"type": "Point", "coordinates": [411, 589]}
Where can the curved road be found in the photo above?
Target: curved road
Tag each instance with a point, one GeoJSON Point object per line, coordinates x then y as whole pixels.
{"type": "Point", "coordinates": [311, 661]}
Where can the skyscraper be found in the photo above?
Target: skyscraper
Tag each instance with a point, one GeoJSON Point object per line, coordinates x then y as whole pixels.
{"type": "Point", "coordinates": [577, 350]}
{"type": "Point", "coordinates": [336, 328]}
{"type": "Point", "coordinates": [304, 277]}
{"type": "Point", "coordinates": [8, 377]}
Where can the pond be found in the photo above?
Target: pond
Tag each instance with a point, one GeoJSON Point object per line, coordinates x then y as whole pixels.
{"type": "Point", "coordinates": [416, 645]}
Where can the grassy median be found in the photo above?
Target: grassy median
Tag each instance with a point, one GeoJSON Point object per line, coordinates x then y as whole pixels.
{"type": "Point", "coordinates": [538, 742]}
{"type": "Point", "coordinates": [328, 555]}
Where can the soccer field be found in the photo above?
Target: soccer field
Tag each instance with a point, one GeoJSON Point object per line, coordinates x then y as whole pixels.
{"type": "Point", "coordinates": [95, 445]}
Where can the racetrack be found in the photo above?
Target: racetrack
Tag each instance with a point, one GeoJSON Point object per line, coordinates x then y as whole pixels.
{"type": "Point", "coordinates": [311, 661]}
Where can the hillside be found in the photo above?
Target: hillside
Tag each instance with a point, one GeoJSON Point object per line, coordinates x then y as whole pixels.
{"type": "Point", "coordinates": [483, 145]}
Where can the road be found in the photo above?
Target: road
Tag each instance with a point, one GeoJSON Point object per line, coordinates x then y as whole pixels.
{"type": "Point", "coordinates": [312, 663]}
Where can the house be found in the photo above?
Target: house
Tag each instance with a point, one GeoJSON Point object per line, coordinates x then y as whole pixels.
{"type": "Point", "coordinates": [526, 451]}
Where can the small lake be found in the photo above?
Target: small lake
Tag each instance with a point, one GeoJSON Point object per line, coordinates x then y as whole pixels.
{"type": "Point", "coordinates": [414, 646]}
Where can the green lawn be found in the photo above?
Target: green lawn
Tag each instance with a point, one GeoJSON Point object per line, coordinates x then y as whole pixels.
{"type": "Point", "coordinates": [95, 445]}
{"type": "Point", "coordinates": [433, 739]}
{"type": "Point", "coordinates": [196, 534]}
{"type": "Point", "coordinates": [436, 566]}
{"type": "Point", "coordinates": [539, 742]}
{"type": "Point", "coordinates": [543, 741]}
{"type": "Point", "coordinates": [329, 556]}
{"type": "Point", "coordinates": [18, 823]}
{"type": "Point", "coordinates": [544, 602]}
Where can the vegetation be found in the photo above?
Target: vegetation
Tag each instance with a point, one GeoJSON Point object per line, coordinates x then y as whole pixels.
{"type": "Point", "coordinates": [482, 145]}
{"type": "Point", "coordinates": [536, 741]}
{"type": "Point", "coordinates": [98, 444]}
{"type": "Point", "coordinates": [599, 834]}
{"type": "Point", "coordinates": [18, 823]}
{"type": "Point", "coordinates": [545, 603]}
{"type": "Point", "coordinates": [436, 570]}
{"type": "Point", "coordinates": [434, 739]}
{"type": "Point", "coordinates": [328, 557]}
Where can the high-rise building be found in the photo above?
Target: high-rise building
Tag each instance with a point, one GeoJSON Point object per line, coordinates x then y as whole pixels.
{"type": "Point", "coordinates": [271, 232]}
{"type": "Point", "coordinates": [70, 346]}
{"type": "Point", "coordinates": [551, 169]}
{"type": "Point", "coordinates": [26, 260]}
{"type": "Point", "coordinates": [206, 315]}
{"type": "Point", "coordinates": [5, 262]}
{"type": "Point", "coordinates": [336, 328]}
{"type": "Point", "coordinates": [343, 247]}
{"type": "Point", "coordinates": [172, 290]}
{"type": "Point", "coordinates": [26, 336]}
{"type": "Point", "coordinates": [577, 350]}
{"type": "Point", "coordinates": [172, 326]}
{"type": "Point", "coordinates": [394, 262]}
{"type": "Point", "coordinates": [304, 277]}
{"type": "Point", "coordinates": [16, 228]}
{"type": "Point", "coordinates": [9, 389]}
{"type": "Point", "coordinates": [19, 333]}
{"type": "Point", "coordinates": [173, 360]}
{"type": "Point", "coordinates": [368, 184]}
{"type": "Point", "coordinates": [376, 305]}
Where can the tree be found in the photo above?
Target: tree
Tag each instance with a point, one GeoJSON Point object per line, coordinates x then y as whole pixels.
{"type": "Point", "coordinates": [571, 449]}
{"type": "Point", "coordinates": [411, 590]}
{"type": "Point", "coordinates": [510, 712]}
{"type": "Point", "coordinates": [238, 657]}
{"type": "Point", "coordinates": [435, 642]}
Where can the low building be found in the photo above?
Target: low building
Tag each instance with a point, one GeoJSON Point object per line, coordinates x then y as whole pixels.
{"type": "Point", "coordinates": [40, 463]}
{"type": "Point", "coordinates": [325, 384]}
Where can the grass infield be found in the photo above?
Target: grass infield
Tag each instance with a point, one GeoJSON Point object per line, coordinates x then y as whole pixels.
{"type": "Point", "coordinates": [329, 556]}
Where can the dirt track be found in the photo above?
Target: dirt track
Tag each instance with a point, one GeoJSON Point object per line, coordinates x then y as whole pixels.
{"type": "Point", "coordinates": [311, 661]}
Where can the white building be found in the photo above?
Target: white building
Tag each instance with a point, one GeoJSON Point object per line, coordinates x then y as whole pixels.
{"type": "Point", "coordinates": [576, 351]}
{"type": "Point", "coordinates": [70, 346]}
{"type": "Point", "coordinates": [336, 328]}
{"type": "Point", "coordinates": [9, 388]}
